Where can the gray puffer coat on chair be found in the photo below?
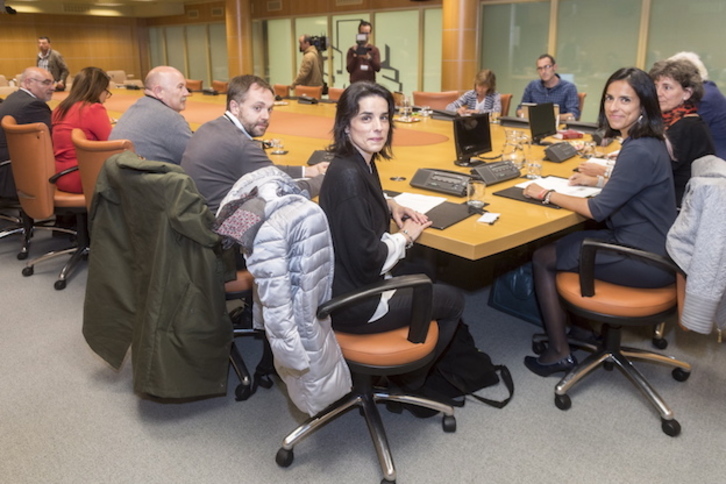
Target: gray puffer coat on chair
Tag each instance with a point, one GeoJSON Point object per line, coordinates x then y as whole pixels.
{"type": "Point", "coordinates": [291, 259]}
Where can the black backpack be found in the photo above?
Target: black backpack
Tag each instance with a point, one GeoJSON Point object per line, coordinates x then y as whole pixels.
{"type": "Point", "coordinates": [462, 370]}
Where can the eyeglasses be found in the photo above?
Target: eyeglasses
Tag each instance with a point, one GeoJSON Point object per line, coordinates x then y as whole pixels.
{"type": "Point", "coordinates": [108, 94]}
{"type": "Point", "coordinates": [45, 82]}
{"type": "Point", "coordinates": [545, 67]}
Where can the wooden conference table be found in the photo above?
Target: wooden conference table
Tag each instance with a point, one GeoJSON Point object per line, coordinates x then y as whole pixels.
{"type": "Point", "coordinates": [433, 147]}
{"type": "Point", "coordinates": [428, 143]}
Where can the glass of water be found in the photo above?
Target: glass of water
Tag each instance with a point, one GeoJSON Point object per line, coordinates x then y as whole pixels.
{"type": "Point", "coordinates": [475, 191]}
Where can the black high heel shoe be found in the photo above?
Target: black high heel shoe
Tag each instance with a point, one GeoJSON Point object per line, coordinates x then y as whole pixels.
{"type": "Point", "coordinates": [546, 369]}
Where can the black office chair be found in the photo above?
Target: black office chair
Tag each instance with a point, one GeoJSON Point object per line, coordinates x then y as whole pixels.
{"type": "Point", "coordinates": [616, 307]}
{"type": "Point", "coordinates": [370, 356]}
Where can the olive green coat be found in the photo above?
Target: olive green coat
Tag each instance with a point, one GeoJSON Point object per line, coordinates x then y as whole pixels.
{"type": "Point", "coordinates": [155, 281]}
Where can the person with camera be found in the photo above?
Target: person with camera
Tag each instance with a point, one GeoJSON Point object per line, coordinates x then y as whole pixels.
{"type": "Point", "coordinates": [364, 58]}
{"type": "Point", "coordinates": [311, 67]}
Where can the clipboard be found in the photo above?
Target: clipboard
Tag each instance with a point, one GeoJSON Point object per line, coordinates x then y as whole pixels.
{"type": "Point", "coordinates": [447, 214]}
{"type": "Point", "coordinates": [444, 214]}
{"type": "Point", "coordinates": [516, 193]}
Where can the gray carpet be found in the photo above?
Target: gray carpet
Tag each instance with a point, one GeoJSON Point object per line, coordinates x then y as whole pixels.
{"type": "Point", "coordinates": [67, 417]}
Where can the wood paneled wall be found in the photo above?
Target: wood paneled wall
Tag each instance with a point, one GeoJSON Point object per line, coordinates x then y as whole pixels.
{"type": "Point", "coordinates": [328, 7]}
{"type": "Point", "coordinates": [193, 14]}
{"type": "Point", "coordinates": [107, 42]}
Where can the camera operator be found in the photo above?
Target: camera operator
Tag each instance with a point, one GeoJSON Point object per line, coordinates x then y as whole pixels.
{"type": "Point", "coordinates": [311, 67]}
{"type": "Point", "coordinates": [364, 58]}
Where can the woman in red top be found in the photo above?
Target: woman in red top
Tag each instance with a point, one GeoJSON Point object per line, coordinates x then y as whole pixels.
{"type": "Point", "coordinates": [83, 108]}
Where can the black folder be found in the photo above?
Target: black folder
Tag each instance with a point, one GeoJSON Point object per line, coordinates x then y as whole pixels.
{"type": "Point", "coordinates": [517, 193]}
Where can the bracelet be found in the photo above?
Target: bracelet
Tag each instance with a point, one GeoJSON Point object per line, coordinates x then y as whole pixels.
{"type": "Point", "coordinates": [546, 198]}
{"type": "Point", "coordinates": [408, 236]}
{"type": "Point", "coordinates": [543, 194]}
{"type": "Point", "coordinates": [600, 181]}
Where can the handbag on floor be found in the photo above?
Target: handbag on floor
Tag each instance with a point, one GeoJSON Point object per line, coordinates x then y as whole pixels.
{"type": "Point", "coordinates": [462, 370]}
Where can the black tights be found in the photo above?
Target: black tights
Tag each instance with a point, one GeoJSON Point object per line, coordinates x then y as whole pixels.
{"type": "Point", "coordinates": [544, 262]}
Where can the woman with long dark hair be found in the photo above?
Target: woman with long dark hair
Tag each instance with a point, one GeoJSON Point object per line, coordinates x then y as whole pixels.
{"type": "Point", "coordinates": [360, 216]}
{"type": "Point", "coordinates": [637, 206]}
{"type": "Point", "coordinates": [83, 108]}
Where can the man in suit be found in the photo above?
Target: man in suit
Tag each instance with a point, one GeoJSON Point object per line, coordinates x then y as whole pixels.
{"type": "Point", "coordinates": [27, 105]}
{"type": "Point", "coordinates": [223, 150]}
{"type": "Point", "coordinates": [52, 61]}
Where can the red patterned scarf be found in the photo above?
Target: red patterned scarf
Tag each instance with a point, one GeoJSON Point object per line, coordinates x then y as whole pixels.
{"type": "Point", "coordinates": [671, 117]}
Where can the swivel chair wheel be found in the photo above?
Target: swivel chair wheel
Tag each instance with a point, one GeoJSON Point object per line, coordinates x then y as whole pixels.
{"type": "Point", "coordinates": [242, 392]}
{"type": "Point", "coordinates": [538, 347]}
{"type": "Point", "coordinates": [28, 271]}
{"type": "Point", "coordinates": [660, 343]}
{"type": "Point", "coordinates": [449, 424]}
{"type": "Point", "coordinates": [679, 374]}
{"type": "Point", "coordinates": [608, 365]}
{"type": "Point", "coordinates": [284, 457]}
{"type": "Point", "coordinates": [670, 427]}
{"type": "Point", "coordinates": [563, 402]}
{"type": "Point", "coordinates": [22, 255]}
{"type": "Point", "coordinates": [60, 284]}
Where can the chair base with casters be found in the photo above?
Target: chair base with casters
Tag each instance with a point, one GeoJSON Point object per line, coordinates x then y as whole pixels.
{"type": "Point", "coordinates": [374, 355]}
{"type": "Point", "coordinates": [78, 252]}
{"type": "Point", "coordinates": [241, 290]}
{"type": "Point", "coordinates": [616, 307]}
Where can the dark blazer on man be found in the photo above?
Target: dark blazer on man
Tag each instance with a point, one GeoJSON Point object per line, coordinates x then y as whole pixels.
{"type": "Point", "coordinates": [25, 108]}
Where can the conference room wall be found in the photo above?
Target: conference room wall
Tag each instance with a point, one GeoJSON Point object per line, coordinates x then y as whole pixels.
{"type": "Point", "coordinates": [110, 43]}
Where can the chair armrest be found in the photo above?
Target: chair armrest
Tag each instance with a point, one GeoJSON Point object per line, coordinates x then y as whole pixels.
{"type": "Point", "coordinates": [55, 177]}
{"type": "Point", "coordinates": [589, 249]}
{"type": "Point", "coordinates": [420, 306]}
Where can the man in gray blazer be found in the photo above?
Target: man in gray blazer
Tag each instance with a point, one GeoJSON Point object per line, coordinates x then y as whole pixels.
{"type": "Point", "coordinates": [52, 61]}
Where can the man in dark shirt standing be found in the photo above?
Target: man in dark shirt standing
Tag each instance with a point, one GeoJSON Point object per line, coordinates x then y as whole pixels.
{"type": "Point", "coordinates": [27, 105]}
{"type": "Point", "coordinates": [364, 58]}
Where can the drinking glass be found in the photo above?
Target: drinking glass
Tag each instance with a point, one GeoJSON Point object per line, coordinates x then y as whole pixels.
{"type": "Point", "coordinates": [534, 170]}
{"type": "Point", "coordinates": [406, 109]}
{"type": "Point", "coordinates": [475, 191]}
{"type": "Point", "coordinates": [278, 147]}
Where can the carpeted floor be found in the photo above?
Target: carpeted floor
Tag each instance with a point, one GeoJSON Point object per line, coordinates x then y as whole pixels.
{"type": "Point", "coordinates": [67, 417]}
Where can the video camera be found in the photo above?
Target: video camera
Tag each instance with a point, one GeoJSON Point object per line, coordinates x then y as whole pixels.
{"type": "Point", "coordinates": [362, 40]}
{"type": "Point", "coordinates": [320, 42]}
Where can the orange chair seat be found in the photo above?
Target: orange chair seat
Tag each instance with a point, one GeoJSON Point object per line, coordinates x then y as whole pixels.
{"type": "Point", "coordinates": [68, 200]}
{"type": "Point", "coordinates": [615, 300]}
{"type": "Point", "coordinates": [391, 348]}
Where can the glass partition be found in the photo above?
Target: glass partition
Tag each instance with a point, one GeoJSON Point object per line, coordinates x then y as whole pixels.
{"type": "Point", "coordinates": [512, 37]}
{"type": "Point", "coordinates": [279, 51]}
{"type": "Point", "coordinates": [197, 50]}
{"type": "Point", "coordinates": [399, 49]}
{"type": "Point", "coordinates": [588, 50]}
{"type": "Point", "coordinates": [176, 55]}
{"type": "Point", "coordinates": [432, 49]}
{"type": "Point", "coordinates": [218, 51]}
{"type": "Point", "coordinates": [691, 26]}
